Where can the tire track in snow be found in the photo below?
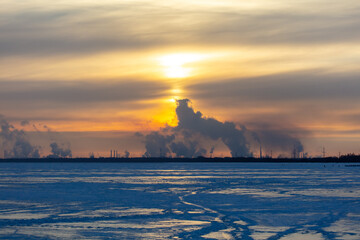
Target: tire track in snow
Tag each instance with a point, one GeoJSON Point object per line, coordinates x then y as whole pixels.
{"type": "Point", "coordinates": [314, 226]}
{"type": "Point", "coordinates": [219, 223]}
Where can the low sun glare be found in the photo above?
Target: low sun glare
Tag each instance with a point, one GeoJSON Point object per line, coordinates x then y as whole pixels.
{"type": "Point", "coordinates": [174, 64]}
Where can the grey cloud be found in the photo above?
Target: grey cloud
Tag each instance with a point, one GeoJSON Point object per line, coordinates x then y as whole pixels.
{"type": "Point", "coordinates": [156, 144]}
{"type": "Point", "coordinates": [60, 150]}
{"type": "Point", "coordinates": [126, 154]}
{"type": "Point", "coordinates": [134, 26]}
{"type": "Point", "coordinates": [76, 30]}
{"type": "Point", "coordinates": [187, 149]}
{"type": "Point", "coordinates": [15, 143]}
{"type": "Point", "coordinates": [170, 141]}
{"type": "Point", "coordinates": [307, 98]}
{"type": "Point", "coordinates": [80, 91]}
{"type": "Point", "coordinates": [290, 87]}
{"type": "Point", "coordinates": [278, 139]}
{"type": "Point", "coordinates": [183, 141]}
{"type": "Point", "coordinates": [192, 121]}
{"type": "Point", "coordinates": [285, 28]}
{"type": "Point", "coordinates": [55, 100]}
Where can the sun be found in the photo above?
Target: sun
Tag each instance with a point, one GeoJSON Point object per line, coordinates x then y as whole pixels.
{"type": "Point", "coordinates": [174, 64]}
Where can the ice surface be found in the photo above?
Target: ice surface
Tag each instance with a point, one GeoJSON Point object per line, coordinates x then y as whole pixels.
{"type": "Point", "coordinates": [221, 235]}
{"type": "Point", "coordinates": [265, 232]}
{"type": "Point", "coordinates": [304, 235]}
{"type": "Point", "coordinates": [179, 201]}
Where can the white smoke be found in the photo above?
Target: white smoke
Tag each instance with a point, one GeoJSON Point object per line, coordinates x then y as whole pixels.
{"type": "Point", "coordinates": [182, 140]}
{"type": "Point", "coordinates": [14, 142]}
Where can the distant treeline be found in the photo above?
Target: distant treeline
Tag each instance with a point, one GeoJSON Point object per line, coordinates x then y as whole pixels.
{"type": "Point", "coordinates": [342, 159]}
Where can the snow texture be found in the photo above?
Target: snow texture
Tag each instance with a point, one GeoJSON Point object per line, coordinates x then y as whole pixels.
{"type": "Point", "coordinates": [179, 201]}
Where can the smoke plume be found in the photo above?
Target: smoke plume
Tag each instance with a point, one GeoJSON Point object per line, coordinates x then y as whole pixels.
{"type": "Point", "coordinates": [231, 136]}
{"type": "Point", "coordinates": [157, 144]}
{"type": "Point", "coordinates": [183, 140]}
{"type": "Point", "coordinates": [14, 142]}
{"type": "Point", "coordinates": [276, 139]}
{"type": "Point", "coordinates": [60, 151]}
{"type": "Point", "coordinates": [126, 154]}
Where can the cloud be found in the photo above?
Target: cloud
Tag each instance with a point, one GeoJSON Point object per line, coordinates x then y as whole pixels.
{"type": "Point", "coordinates": [277, 139]}
{"type": "Point", "coordinates": [157, 144]}
{"type": "Point", "coordinates": [81, 91]}
{"type": "Point", "coordinates": [183, 140]}
{"type": "Point", "coordinates": [73, 29]}
{"type": "Point", "coordinates": [60, 151]}
{"type": "Point", "coordinates": [194, 122]}
{"type": "Point", "coordinates": [312, 85]}
{"type": "Point", "coordinates": [79, 100]}
{"type": "Point", "coordinates": [15, 143]}
{"type": "Point", "coordinates": [126, 154]}
{"type": "Point", "coordinates": [187, 138]}
{"type": "Point", "coordinates": [68, 30]}
{"type": "Point", "coordinates": [169, 142]}
{"type": "Point", "coordinates": [281, 27]}
{"type": "Point", "coordinates": [310, 99]}
{"type": "Point", "coordinates": [187, 149]}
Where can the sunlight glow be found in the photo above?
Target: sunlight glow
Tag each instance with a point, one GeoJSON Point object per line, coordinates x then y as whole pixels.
{"type": "Point", "coordinates": [174, 64]}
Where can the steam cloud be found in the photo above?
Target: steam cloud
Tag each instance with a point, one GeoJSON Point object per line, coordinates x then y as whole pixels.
{"type": "Point", "coordinates": [59, 151]}
{"type": "Point", "coordinates": [183, 140]}
{"type": "Point", "coordinates": [277, 140]}
{"type": "Point", "coordinates": [15, 143]}
{"type": "Point", "coordinates": [126, 154]}
{"type": "Point", "coordinates": [231, 136]}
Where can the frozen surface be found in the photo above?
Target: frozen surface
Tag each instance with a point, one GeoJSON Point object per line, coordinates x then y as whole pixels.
{"type": "Point", "coordinates": [179, 201]}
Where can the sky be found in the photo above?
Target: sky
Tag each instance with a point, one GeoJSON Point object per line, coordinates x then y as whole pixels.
{"type": "Point", "coordinates": [99, 75]}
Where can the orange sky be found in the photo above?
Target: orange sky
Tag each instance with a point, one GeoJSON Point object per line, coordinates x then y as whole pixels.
{"type": "Point", "coordinates": [119, 66]}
